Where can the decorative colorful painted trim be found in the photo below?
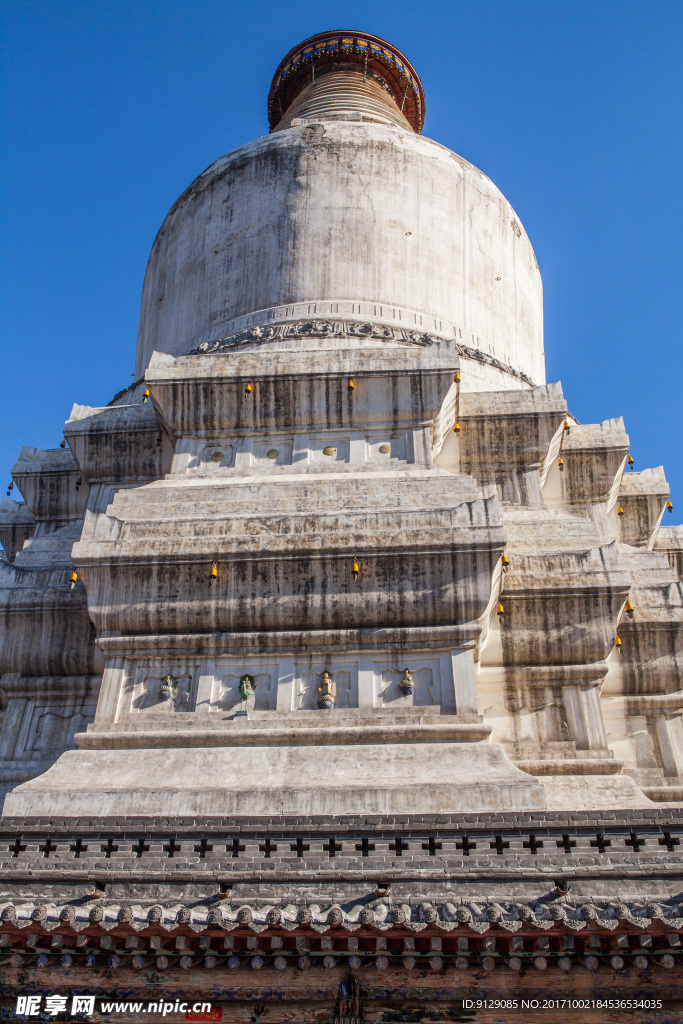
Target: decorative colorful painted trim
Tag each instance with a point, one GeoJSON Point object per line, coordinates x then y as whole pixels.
{"type": "Point", "coordinates": [367, 51]}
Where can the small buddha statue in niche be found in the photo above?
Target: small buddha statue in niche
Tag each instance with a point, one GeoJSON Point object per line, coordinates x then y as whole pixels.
{"type": "Point", "coordinates": [326, 692]}
{"type": "Point", "coordinates": [247, 687]}
{"type": "Point", "coordinates": [407, 685]}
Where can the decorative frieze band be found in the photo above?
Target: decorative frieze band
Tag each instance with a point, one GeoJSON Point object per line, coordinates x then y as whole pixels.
{"type": "Point", "coordinates": [260, 335]}
{"type": "Point", "coordinates": [346, 848]}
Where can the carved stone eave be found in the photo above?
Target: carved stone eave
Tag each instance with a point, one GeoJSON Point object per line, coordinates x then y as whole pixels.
{"type": "Point", "coordinates": [572, 619]}
{"type": "Point", "coordinates": [17, 524]}
{"type": "Point", "coordinates": [594, 456]}
{"type": "Point", "coordinates": [652, 653]}
{"type": "Point", "coordinates": [117, 445]}
{"type": "Point", "coordinates": [44, 626]}
{"type": "Point", "coordinates": [209, 393]}
{"type": "Point", "coordinates": [290, 567]}
{"type": "Point", "coordinates": [49, 483]}
{"type": "Point", "coordinates": [286, 592]}
{"type": "Point", "coordinates": [506, 436]}
{"type": "Point", "coordinates": [643, 497]}
{"type": "Point", "coordinates": [669, 540]}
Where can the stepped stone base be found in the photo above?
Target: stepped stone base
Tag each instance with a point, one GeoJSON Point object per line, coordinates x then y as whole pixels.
{"type": "Point", "coordinates": [334, 779]}
{"type": "Point", "coordinates": [594, 792]}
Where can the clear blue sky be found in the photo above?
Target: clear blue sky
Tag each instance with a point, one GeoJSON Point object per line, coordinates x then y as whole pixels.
{"type": "Point", "coordinates": [572, 107]}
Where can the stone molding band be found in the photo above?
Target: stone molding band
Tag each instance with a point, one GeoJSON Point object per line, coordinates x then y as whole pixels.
{"type": "Point", "coordinates": [424, 637]}
{"type": "Point", "coordinates": [454, 732]}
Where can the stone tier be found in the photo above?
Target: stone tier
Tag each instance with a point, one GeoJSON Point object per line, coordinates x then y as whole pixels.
{"type": "Point", "coordinates": [16, 526]}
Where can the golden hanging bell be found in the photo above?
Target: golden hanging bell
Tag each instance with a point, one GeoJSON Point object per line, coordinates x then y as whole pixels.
{"type": "Point", "coordinates": [567, 428]}
{"type": "Point", "coordinates": [456, 428]}
{"type": "Point", "coordinates": [145, 395]}
{"type": "Point", "coordinates": [74, 578]}
{"type": "Point", "coordinates": [499, 609]}
{"type": "Point", "coordinates": [159, 440]}
{"type": "Point", "coordinates": [620, 512]}
{"type": "Point", "coordinates": [457, 377]}
{"type": "Point", "coordinates": [351, 385]}
{"type": "Point", "coordinates": [10, 487]}
{"type": "Point", "coordinates": [617, 644]}
{"type": "Point", "coordinates": [355, 568]}
{"type": "Point", "coordinates": [506, 563]}
{"type": "Point", "coordinates": [214, 573]}
{"type": "Point", "coordinates": [248, 389]}
{"type": "Point", "coordinates": [628, 608]}
{"type": "Point", "coordinates": [560, 465]}
{"type": "Point", "coordinates": [669, 507]}
{"type": "Point", "coordinates": [78, 483]}
{"type": "Point", "coordinates": [62, 443]}
{"type": "Point", "coordinates": [630, 462]}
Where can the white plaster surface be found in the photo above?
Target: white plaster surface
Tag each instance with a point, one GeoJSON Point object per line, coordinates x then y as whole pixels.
{"type": "Point", "coordinates": [280, 780]}
{"type": "Point", "coordinates": [584, 793]}
{"type": "Point", "coordinates": [374, 220]}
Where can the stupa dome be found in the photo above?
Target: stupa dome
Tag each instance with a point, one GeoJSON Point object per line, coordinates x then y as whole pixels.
{"type": "Point", "coordinates": [345, 211]}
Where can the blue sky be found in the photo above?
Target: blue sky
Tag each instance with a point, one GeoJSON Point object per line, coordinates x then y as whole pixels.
{"type": "Point", "coordinates": [571, 107]}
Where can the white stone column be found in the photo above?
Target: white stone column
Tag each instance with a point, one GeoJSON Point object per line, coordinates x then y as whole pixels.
{"type": "Point", "coordinates": [464, 681]}
{"type": "Point", "coordinates": [111, 691]}
{"type": "Point", "coordinates": [366, 681]}
{"type": "Point", "coordinates": [285, 684]}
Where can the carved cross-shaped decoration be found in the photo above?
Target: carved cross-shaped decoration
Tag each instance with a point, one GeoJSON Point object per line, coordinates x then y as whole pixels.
{"type": "Point", "coordinates": [534, 844]}
{"type": "Point", "coordinates": [432, 845]}
{"type": "Point", "coordinates": [267, 847]}
{"type": "Point", "coordinates": [398, 846]}
{"type": "Point", "coordinates": [140, 847]}
{"type": "Point", "coordinates": [669, 841]}
{"type": "Point", "coordinates": [235, 848]}
{"type": "Point", "coordinates": [565, 843]}
{"type": "Point", "coordinates": [78, 847]}
{"type": "Point", "coordinates": [47, 847]}
{"type": "Point", "coordinates": [17, 847]}
{"type": "Point", "coordinates": [171, 847]}
{"type": "Point", "coordinates": [499, 844]}
{"type": "Point", "coordinates": [365, 847]}
{"type": "Point", "coordinates": [299, 847]}
{"type": "Point", "coordinates": [203, 848]}
{"type": "Point", "coordinates": [108, 848]}
{"type": "Point", "coordinates": [332, 847]}
{"type": "Point", "coordinates": [466, 845]}
{"type": "Point", "coordinates": [635, 841]}
{"type": "Point", "coordinates": [600, 842]}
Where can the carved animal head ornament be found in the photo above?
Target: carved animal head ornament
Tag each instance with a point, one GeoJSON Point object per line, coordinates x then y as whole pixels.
{"type": "Point", "coordinates": [168, 687]}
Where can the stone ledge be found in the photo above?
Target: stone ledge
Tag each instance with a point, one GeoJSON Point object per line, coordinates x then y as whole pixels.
{"type": "Point", "coordinates": [248, 734]}
{"type": "Point", "coordinates": [517, 822]}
